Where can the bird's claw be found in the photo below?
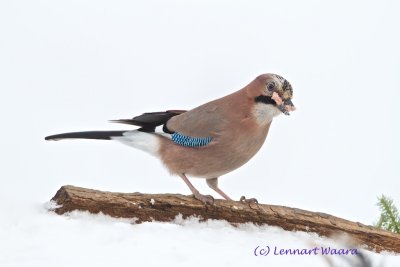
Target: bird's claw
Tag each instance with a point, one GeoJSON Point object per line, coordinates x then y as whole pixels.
{"type": "Point", "coordinates": [206, 199]}
{"type": "Point", "coordinates": [249, 201]}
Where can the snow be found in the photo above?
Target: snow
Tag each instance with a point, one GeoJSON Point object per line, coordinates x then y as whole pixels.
{"type": "Point", "coordinates": [73, 65]}
{"type": "Point", "coordinates": [42, 238]}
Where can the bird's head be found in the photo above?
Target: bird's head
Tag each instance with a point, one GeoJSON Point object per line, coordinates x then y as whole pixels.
{"type": "Point", "coordinates": [272, 89]}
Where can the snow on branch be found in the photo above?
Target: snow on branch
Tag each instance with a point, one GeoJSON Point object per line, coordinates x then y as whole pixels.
{"type": "Point", "coordinates": [165, 207]}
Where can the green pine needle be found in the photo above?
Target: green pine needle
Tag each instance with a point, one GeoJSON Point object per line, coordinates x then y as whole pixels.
{"type": "Point", "coordinates": [390, 219]}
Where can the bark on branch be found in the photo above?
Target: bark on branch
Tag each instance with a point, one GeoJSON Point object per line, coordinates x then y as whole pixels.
{"type": "Point", "coordinates": [165, 207]}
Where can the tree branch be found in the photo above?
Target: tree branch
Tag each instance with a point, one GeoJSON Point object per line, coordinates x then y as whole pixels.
{"type": "Point", "coordinates": [165, 207]}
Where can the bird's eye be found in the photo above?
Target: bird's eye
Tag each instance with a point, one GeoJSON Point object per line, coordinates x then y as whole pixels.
{"type": "Point", "coordinates": [271, 86]}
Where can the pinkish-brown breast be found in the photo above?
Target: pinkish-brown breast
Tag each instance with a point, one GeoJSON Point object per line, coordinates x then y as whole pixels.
{"type": "Point", "coordinates": [233, 145]}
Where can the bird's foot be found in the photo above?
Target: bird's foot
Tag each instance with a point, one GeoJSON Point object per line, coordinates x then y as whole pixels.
{"type": "Point", "coordinates": [206, 199]}
{"type": "Point", "coordinates": [249, 201]}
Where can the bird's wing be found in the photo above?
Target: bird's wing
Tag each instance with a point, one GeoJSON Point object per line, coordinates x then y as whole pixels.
{"type": "Point", "coordinates": [193, 128]}
{"type": "Point", "coordinates": [207, 120]}
{"type": "Point", "coordinates": [150, 120]}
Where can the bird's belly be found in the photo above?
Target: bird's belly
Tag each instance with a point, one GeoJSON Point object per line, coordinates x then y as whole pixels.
{"type": "Point", "coordinates": [224, 154]}
{"type": "Point", "coordinates": [216, 166]}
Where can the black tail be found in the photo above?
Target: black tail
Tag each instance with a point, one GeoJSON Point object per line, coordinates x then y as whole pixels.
{"type": "Point", "coordinates": [101, 135]}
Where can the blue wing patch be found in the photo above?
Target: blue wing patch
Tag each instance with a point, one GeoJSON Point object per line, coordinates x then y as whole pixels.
{"type": "Point", "coordinates": [189, 141]}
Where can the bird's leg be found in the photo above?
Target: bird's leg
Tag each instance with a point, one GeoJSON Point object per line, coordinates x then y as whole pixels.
{"type": "Point", "coordinates": [213, 184]}
{"type": "Point", "coordinates": [206, 199]}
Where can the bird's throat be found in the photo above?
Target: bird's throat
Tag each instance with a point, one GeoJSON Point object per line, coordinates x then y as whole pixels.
{"type": "Point", "coordinates": [264, 113]}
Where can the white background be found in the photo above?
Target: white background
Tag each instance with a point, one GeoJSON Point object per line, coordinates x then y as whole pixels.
{"type": "Point", "coordinates": [73, 65]}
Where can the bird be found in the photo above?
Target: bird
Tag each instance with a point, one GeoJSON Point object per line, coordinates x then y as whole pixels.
{"type": "Point", "coordinates": [210, 140]}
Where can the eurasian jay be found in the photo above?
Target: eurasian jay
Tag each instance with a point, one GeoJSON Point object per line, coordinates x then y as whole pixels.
{"type": "Point", "coordinates": [210, 140]}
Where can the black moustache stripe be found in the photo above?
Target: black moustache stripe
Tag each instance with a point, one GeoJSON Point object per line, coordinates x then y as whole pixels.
{"type": "Point", "coordinates": [265, 99]}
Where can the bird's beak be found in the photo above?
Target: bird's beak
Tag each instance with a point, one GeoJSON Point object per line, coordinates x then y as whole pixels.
{"type": "Point", "coordinates": [286, 107]}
